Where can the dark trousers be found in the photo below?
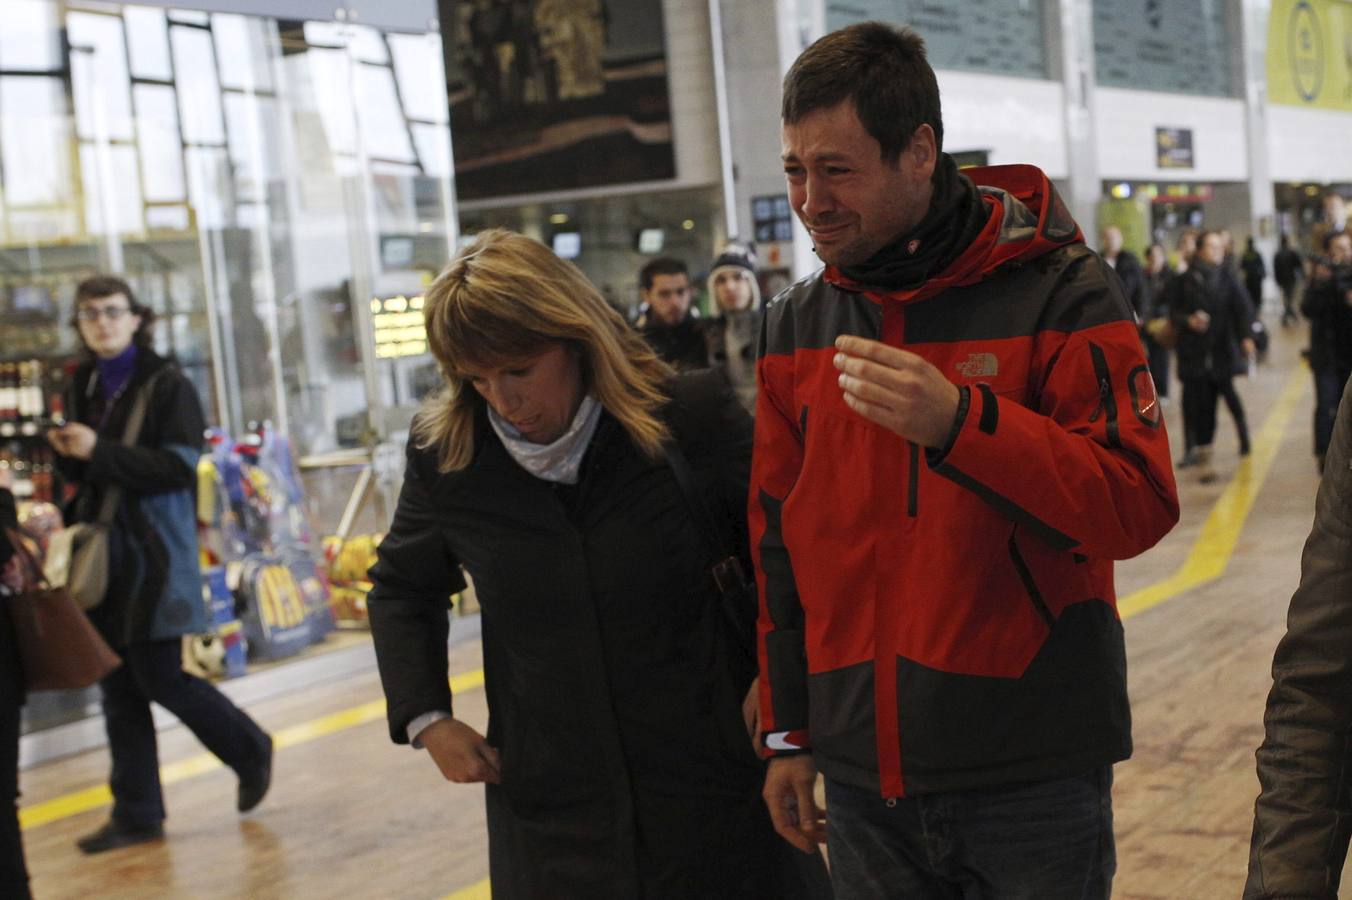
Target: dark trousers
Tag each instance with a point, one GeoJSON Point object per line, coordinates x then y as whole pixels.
{"type": "Point", "coordinates": [1328, 393]}
{"type": "Point", "coordinates": [153, 671]}
{"type": "Point", "coordinates": [1199, 410]}
{"type": "Point", "coordinates": [13, 872]}
{"type": "Point", "coordinates": [1050, 840]}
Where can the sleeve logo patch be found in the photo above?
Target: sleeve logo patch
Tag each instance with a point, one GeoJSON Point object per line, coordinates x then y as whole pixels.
{"type": "Point", "coordinates": [979, 365]}
{"type": "Point", "coordinates": [1144, 400]}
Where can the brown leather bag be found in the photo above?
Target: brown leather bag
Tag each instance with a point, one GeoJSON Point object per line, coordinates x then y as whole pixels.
{"type": "Point", "coordinates": [57, 644]}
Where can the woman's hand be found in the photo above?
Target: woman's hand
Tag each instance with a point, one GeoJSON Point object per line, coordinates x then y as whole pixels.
{"type": "Point", "coordinates": [461, 753]}
{"type": "Point", "coordinates": [6, 477]}
{"type": "Point", "coordinates": [1200, 321]}
{"type": "Point", "coordinates": [73, 439]}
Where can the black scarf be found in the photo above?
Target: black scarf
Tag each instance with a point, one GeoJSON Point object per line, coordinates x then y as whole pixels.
{"type": "Point", "coordinates": [956, 216]}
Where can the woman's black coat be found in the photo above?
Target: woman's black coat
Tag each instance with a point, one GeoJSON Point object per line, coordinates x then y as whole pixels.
{"type": "Point", "coordinates": [10, 673]}
{"type": "Point", "coordinates": [626, 770]}
{"type": "Point", "coordinates": [1214, 353]}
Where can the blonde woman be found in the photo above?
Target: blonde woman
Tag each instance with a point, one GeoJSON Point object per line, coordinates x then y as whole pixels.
{"type": "Point", "coordinates": [616, 762]}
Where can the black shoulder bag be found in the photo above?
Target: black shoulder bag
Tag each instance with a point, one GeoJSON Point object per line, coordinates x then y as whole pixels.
{"type": "Point", "coordinates": [736, 591]}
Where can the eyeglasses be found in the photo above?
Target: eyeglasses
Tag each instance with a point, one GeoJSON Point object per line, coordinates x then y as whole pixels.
{"type": "Point", "coordinates": [94, 313]}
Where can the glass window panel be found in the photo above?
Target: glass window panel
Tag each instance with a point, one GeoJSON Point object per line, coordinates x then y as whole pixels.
{"type": "Point", "coordinates": [35, 141]}
{"type": "Point", "coordinates": [325, 34]}
{"type": "Point", "coordinates": [99, 71]}
{"type": "Point", "coordinates": [209, 187]}
{"type": "Point", "coordinates": [1179, 47]}
{"type": "Point", "coordinates": [161, 146]}
{"type": "Point", "coordinates": [331, 77]}
{"type": "Point", "coordinates": [434, 149]}
{"type": "Point", "coordinates": [252, 125]}
{"type": "Point", "coordinates": [167, 218]}
{"type": "Point", "coordinates": [42, 224]}
{"type": "Point", "coordinates": [148, 43]}
{"type": "Point", "coordinates": [999, 36]}
{"type": "Point", "coordinates": [189, 16]}
{"type": "Point", "coordinates": [30, 40]}
{"type": "Point", "coordinates": [112, 189]}
{"type": "Point", "coordinates": [422, 82]}
{"type": "Point", "coordinates": [364, 43]}
{"type": "Point", "coordinates": [382, 122]}
{"type": "Point", "coordinates": [242, 52]}
{"type": "Point", "coordinates": [199, 94]}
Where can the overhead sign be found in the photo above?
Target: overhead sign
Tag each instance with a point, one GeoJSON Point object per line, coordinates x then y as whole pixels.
{"type": "Point", "coordinates": [1309, 54]}
{"type": "Point", "coordinates": [399, 327]}
{"type": "Point", "coordinates": [1173, 148]}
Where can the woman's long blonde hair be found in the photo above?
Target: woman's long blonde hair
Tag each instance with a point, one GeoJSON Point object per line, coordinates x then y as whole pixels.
{"type": "Point", "coordinates": [506, 297]}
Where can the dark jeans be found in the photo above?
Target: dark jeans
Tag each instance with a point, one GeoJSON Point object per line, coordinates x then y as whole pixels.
{"type": "Point", "coordinates": [1328, 393]}
{"type": "Point", "coordinates": [154, 671]}
{"type": "Point", "coordinates": [1199, 410]}
{"type": "Point", "coordinates": [13, 873]}
{"type": "Point", "coordinates": [1051, 840]}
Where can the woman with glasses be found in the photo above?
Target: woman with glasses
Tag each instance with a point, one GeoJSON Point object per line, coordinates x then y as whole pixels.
{"type": "Point", "coordinates": [154, 592]}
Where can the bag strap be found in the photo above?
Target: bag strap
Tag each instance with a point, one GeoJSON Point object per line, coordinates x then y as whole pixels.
{"type": "Point", "coordinates": [685, 478]}
{"type": "Point", "coordinates": [130, 435]}
{"type": "Point", "coordinates": [728, 573]}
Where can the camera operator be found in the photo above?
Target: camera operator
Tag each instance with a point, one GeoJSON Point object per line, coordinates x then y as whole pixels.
{"type": "Point", "coordinates": [1328, 306]}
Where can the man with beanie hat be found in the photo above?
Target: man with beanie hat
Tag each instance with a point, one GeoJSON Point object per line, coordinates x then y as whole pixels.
{"type": "Point", "coordinates": [732, 335]}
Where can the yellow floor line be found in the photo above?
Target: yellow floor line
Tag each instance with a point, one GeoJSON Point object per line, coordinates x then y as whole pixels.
{"type": "Point", "coordinates": [1211, 552]}
{"type": "Point", "coordinates": [93, 798]}
{"type": "Point", "coordinates": [480, 891]}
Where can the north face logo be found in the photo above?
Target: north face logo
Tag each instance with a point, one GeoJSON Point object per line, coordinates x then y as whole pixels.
{"type": "Point", "coordinates": [979, 365]}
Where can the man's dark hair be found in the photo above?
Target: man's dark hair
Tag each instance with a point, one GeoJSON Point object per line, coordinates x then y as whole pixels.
{"type": "Point", "coordinates": [99, 286]}
{"type": "Point", "coordinates": [882, 70]}
{"type": "Point", "coordinates": [663, 265]}
{"type": "Point", "coordinates": [1330, 237]}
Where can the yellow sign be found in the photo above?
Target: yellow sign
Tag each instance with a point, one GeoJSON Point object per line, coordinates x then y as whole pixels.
{"type": "Point", "coordinates": [1309, 56]}
{"type": "Point", "coordinates": [399, 328]}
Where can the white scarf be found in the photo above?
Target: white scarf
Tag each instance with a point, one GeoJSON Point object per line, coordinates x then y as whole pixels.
{"type": "Point", "coordinates": [561, 460]}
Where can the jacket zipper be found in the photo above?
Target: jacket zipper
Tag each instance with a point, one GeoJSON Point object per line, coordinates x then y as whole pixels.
{"type": "Point", "coordinates": [1107, 401]}
{"type": "Point", "coordinates": [913, 491]}
{"type": "Point", "coordinates": [1029, 585]}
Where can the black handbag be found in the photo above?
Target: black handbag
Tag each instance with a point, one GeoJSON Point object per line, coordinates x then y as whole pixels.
{"type": "Point", "coordinates": [736, 591]}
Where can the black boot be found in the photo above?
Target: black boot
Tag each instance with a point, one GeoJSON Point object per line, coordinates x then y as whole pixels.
{"type": "Point", "coordinates": [115, 834]}
{"type": "Point", "coordinates": [253, 788]}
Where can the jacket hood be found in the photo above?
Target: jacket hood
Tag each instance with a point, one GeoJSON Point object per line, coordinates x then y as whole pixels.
{"type": "Point", "coordinates": [1027, 218]}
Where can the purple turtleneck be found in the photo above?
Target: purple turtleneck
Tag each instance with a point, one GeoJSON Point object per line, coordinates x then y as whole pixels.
{"type": "Point", "coordinates": [116, 372]}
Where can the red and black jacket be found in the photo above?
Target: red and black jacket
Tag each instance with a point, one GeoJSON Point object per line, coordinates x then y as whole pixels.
{"type": "Point", "coordinates": [945, 619]}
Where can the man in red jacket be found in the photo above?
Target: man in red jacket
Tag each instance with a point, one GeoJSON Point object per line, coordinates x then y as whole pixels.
{"type": "Point", "coordinates": [956, 435]}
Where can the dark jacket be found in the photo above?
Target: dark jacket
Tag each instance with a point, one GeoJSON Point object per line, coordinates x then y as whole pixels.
{"type": "Point", "coordinates": [626, 771]}
{"type": "Point", "coordinates": [11, 675]}
{"type": "Point", "coordinates": [682, 345]}
{"type": "Point", "coordinates": [1287, 267]}
{"type": "Point", "coordinates": [1215, 352]}
{"type": "Point", "coordinates": [945, 619]}
{"type": "Point", "coordinates": [155, 587]}
{"type": "Point", "coordinates": [1304, 814]}
{"type": "Point", "coordinates": [1134, 285]}
{"type": "Point", "coordinates": [1326, 306]}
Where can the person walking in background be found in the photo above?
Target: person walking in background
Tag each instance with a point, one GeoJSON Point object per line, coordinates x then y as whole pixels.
{"type": "Point", "coordinates": [666, 318]}
{"type": "Point", "coordinates": [1214, 319]}
{"type": "Point", "coordinates": [617, 759]}
{"type": "Point", "coordinates": [1300, 825]}
{"type": "Point", "coordinates": [956, 435]}
{"type": "Point", "coordinates": [1157, 277]}
{"type": "Point", "coordinates": [733, 333]}
{"type": "Point", "coordinates": [154, 593]}
{"type": "Point", "coordinates": [1288, 268]}
{"type": "Point", "coordinates": [1328, 306]}
{"type": "Point", "coordinates": [1255, 270]}
{"type": "Point", "coordinates": [1128, 269]}
{"type": "Point", "coordinates": [13, 871]}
